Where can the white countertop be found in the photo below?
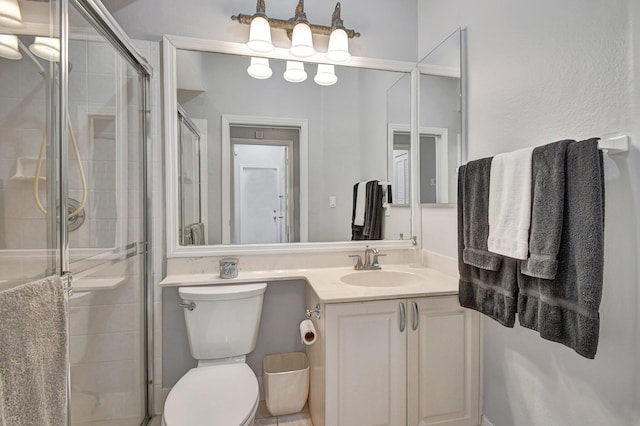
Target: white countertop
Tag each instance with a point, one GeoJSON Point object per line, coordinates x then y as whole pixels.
{"type": "Point", "coordinates": [327, 285]}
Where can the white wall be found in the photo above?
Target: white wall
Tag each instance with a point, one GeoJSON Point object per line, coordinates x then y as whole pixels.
{"type": "Point", "coordinates": [539, 72]}
{"type": "Point", "coordinates": [387, 28]}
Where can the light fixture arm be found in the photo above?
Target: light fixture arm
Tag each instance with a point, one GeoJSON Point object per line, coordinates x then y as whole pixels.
{"type": "Point", "coordinates": [287, 25]}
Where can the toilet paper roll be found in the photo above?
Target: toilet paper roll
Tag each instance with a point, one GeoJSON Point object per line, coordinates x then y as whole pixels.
{"type": "Point", "coordinates": [307, 332]}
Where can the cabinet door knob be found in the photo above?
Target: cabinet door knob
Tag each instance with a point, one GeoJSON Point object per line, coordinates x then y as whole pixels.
{"type": "Point", "coordinates": [403, 318]}
{"type": "Point", "coordinates": [416, 316]}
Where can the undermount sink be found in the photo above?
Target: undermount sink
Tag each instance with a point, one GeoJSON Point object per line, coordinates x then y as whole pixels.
{"type": "Point", "coordinates": [380, 278]}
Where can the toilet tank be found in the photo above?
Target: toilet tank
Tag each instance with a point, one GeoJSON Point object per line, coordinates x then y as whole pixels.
{"type": "Point", "coordinates": [225, 320]}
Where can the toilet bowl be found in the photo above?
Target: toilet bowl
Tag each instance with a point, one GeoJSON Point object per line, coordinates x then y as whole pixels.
{"type": "Point", "coordinates": [216, 395]}
{"type": "Point", "coordinates": [222, 324]}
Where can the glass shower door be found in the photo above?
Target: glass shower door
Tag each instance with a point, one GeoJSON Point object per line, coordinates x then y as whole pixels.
{"type": "Point", "coordinates": [106, 230]}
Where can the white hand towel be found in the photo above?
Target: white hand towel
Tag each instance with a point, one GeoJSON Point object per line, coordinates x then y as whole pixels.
{"type": "Point", "coordinates": [510, 204]}
{"type": "Point", "coordinates": [361, 198]}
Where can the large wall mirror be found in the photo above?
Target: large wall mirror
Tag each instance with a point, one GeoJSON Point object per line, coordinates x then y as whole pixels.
{"type": "Point", "coordinates": [283, 159]}
{"type": "Point", "coordinates": [442, 140]}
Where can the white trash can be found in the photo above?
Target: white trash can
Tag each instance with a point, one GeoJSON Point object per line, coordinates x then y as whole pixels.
{"type": "Point", "coordinates": [286, 382]}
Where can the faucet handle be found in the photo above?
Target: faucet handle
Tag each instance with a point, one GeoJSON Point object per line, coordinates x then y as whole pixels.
{"type": "Point", "coordinates": [375, 259]}
{"type": "Point", "coordinates": [358, 262]}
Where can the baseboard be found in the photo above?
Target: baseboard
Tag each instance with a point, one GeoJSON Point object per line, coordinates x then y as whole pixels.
{"type": "Point", "coordinates": [486, 422]}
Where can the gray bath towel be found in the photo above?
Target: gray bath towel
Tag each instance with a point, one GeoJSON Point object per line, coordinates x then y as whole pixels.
{"type": "Point", "coordinates": [565, 309]}
{"type": "Point", "coordinates": [493, 293]}
{"type": "Point", "coordinates": [33, 354]}
{"type": "Point", "coordinates": [475, 219]}
{"type": "Point", "coordinates": [547, 189]}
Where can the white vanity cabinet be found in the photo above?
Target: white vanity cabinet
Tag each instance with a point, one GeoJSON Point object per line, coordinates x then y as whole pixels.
{"type": "Point", "coordinates": [396, 362]}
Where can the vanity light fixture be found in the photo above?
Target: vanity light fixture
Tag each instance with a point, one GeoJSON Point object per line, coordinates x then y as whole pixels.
{"type": "Point", "coordinates": [260, 31]}
{"type": "Point", "coordinates": [259, 68]}
{"type": "Point", "coordinates": [10, 15]}
{"type": "Point", "coordinates": [9, 47]}
{"type": "Point", "coordinates": [326, 75]}
{"type": "Point", "coordinates": [295, 72]}
{"type": "Point", "coordinates": [47, 48]}
{"type": "Point", "coordinates": [300, 31]}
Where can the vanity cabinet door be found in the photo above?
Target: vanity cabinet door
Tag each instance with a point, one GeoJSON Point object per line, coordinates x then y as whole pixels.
{"type": "Point", "coordinates": [366, 362]}
{"type": "Point", "coordinates": [443, 363]}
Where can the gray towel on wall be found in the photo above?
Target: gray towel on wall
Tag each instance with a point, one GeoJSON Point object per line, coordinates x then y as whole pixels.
{"type": "Point", "coordinates": [547, 187]}
{"type": "Point", "coordinates": [493, 293]}
{"type": "Point", "coordinates": [33, 354]}
{"type": "Point", "coordinates": [565, 309]}
{"type": "Point", "coordinates": [476, 216]}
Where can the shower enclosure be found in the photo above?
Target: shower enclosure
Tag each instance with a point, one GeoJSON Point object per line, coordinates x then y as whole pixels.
{"type": "Point", "coordinates": [74, 96]}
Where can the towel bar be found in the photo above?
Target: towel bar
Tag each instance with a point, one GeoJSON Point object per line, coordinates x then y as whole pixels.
{"type": "Point", "coordinates": [615, 145]}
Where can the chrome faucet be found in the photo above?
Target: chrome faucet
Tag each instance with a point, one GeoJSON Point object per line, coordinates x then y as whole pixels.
{"type": "Point", "coordinates": [368, 263]}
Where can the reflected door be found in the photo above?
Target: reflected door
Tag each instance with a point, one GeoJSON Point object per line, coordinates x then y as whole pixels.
{"type": "Point", "coordinates": [260, 194]}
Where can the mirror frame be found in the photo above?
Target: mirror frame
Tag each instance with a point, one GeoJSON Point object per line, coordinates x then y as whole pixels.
{"type": "Point", "coordinates": [170, 44]}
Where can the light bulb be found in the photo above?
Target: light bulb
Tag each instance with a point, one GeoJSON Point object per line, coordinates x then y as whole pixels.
{"type": "Point", "coordinates": [295, 72]}
{"type": "Point", "coordinates": [302, 41]}
{"type": "Point", "coordinates": [9, 47]}
{"type": "Point", "coordinates": [326, 75]}
{"type": "Point", "coordinates": [259, 68]}
{"type": "Point", "coordinates": [10, 15]}
{"type": "Point", "coordinates": [338, 50]}
{"type": "Point", "coordinates": [47, 48]}
{"type": "Point", "coordinates": [260, 35]}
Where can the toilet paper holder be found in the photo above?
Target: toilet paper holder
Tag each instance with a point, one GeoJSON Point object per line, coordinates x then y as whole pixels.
{"type": "Point", "coordinates": [308, 312]}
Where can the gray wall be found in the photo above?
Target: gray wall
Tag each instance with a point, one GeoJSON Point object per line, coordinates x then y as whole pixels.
{"type": "Point", "coordinates": [539, 72]}
{"type": "Point", "coordinates": [388, 28]}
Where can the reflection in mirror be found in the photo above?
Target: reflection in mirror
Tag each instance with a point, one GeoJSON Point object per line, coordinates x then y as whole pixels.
{"type": "Point", "coordinates": [192, 229]}
{"type": "Point", "coordinates": [283, 158]}
{"type": "Point", "coordinates": [441, 136]}
{"type": "Point", "coordinates": [399, 140]}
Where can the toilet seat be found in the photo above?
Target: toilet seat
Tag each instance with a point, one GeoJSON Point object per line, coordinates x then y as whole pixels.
{"type": "Point", "coordinates": [221, 395]}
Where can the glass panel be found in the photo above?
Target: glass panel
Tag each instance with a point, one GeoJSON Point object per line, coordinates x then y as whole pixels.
{"type": "Point", "coordinates": [105, 166]}
{"type": "Point", "coordinates": [28, 233]}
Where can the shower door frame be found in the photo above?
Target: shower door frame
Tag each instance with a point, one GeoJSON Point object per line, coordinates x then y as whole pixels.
{"type": "Point", "coordinates": [102, 21]}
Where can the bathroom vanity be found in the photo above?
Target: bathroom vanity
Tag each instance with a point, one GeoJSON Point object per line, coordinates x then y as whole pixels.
{"type": "Point", "coordinates": [409, 360]}
{"type": "Point", "coordinates": [393, 346]}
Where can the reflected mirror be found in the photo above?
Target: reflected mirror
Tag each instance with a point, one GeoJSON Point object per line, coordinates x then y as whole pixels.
{"type": "Point", "coordinates": [284, 160]}
{"type": "Point", "coordinates": [442, 140]}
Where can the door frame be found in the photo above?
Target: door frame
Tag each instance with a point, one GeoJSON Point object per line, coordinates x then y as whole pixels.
{"type": "Point", "coordinates": [247, 120]}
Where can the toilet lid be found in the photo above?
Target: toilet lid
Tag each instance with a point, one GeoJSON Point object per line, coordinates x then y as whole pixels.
{"type": "Point", "coordinates": [220, 395]}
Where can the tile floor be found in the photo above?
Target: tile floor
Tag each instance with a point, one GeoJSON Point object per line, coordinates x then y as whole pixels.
{"type": "Point", "coordinates": [264, 418]}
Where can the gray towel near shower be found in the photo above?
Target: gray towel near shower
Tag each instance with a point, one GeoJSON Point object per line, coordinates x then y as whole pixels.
{"type": "Point", "coordinates": [491, 292]}
{"type": "Point", "coordinates": [372, 228]}
{"type": "Point", "coordinates": [476, 216]}
{"type": "Point", "coordinates": [565, 309]}
{"type": "Point", "coordinates": [547, 187]}
{"type": "Point", "coordinates": [33, 354]}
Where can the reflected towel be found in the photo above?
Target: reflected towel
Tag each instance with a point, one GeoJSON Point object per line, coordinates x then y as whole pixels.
{"type": "Point", "coordinates": [33, 354]}
{"type": "Point", "coordinates": [360, 203]}
{"type": "Point", "coordinates": [510, 204]}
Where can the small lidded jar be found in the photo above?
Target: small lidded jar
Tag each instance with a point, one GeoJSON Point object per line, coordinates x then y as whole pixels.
{"type": "Point", "coordinates": [229, 267]}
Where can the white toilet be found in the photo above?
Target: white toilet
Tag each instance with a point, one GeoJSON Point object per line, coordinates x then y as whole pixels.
{"type": "Point", "coordinates": [222, 328]}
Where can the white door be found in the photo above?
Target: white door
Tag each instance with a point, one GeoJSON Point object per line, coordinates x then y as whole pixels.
{"type": "Point", "coordinates": [401, 187]}
{"type": "Point", "coordinates": [365, 364]}
{"type": "Point", "coordinates": [260, 185]}
{"type": "Point", "coordinates": [444, 366]}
